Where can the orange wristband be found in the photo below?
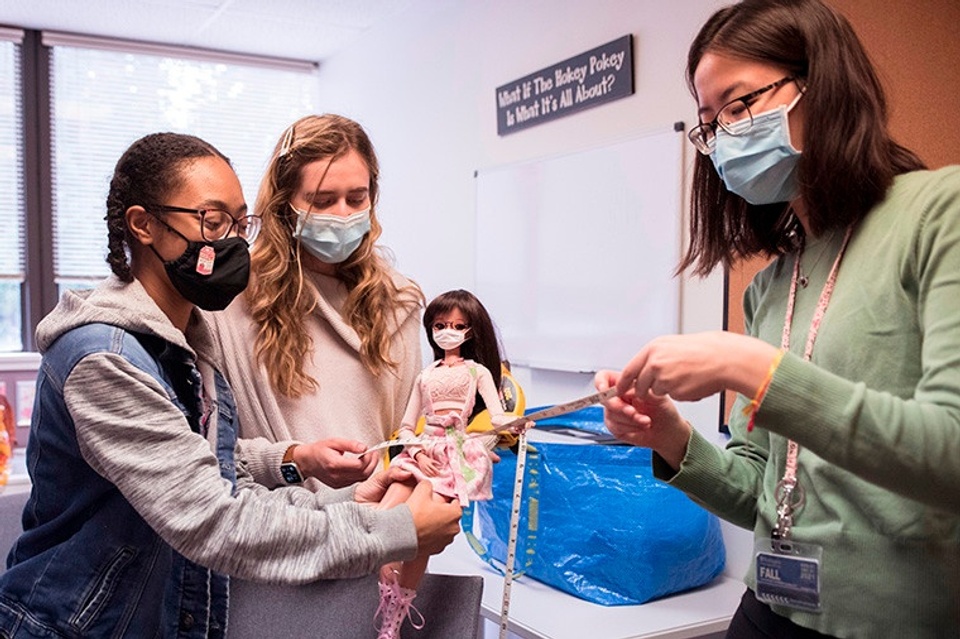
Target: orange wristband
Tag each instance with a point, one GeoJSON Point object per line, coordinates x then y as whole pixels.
{"type": "Point", "coordinates": [754, 405]}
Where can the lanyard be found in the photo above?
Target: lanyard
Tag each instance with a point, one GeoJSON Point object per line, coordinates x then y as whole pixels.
{"type": "Point", "coordinates": [789, 493]}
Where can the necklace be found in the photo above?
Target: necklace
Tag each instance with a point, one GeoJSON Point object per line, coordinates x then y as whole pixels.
{"type": "Point", "coordinates": [789, 493]}
{"type": "Point", "coordinates": [804, 273]}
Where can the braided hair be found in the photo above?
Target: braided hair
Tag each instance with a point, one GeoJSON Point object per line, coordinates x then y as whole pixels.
{"type": "Point", "coordinates": [147, 171]}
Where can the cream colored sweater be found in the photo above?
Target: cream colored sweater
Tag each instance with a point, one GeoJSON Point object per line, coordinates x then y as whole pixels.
{"type": "Point", "coordinates": [350, 402]}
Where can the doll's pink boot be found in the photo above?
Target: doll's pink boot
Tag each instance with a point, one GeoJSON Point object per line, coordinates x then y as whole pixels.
{"type": "Point", "coordinates": [396, 603]}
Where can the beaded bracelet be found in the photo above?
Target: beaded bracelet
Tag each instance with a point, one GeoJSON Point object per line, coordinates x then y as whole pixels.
{"type": "Point", "coordinates": [754, 405]}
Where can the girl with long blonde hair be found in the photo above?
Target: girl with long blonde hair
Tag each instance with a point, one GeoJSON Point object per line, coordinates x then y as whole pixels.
{"type": "Point", "coordinates": [324, 344]}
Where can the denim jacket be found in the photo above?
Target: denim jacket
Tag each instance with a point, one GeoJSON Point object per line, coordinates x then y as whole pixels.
{"type": "Point", "coordinates": [88, 565]}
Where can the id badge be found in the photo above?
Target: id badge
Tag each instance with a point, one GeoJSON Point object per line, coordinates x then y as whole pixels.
{"type": "Point", "coordinates": [788, 573]}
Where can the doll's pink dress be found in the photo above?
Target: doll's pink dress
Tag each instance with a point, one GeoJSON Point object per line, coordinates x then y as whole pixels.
{"type": "Point", "coordinates": [465, 467]}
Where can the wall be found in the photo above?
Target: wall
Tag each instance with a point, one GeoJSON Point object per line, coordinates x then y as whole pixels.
{"type": "Point", "coordinates": [425, 90]}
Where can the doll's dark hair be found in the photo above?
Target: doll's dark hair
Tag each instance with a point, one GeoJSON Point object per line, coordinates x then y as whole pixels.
{"type": "Point", "coordinates": [849, 159]}
{"type": "Point", "coordinates": [483, 345]}
{"type": "Point", "coordinates": [147, 171]}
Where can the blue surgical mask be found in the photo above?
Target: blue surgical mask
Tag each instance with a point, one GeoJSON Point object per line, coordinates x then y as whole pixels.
{"type": "Point", "coordinates": [331, 238]}
{"type": "Point", "coordinates": [760, 164]}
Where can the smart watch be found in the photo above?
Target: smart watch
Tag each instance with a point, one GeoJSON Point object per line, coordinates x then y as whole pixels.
{"type": "Point", "coordinates": [289, 469]}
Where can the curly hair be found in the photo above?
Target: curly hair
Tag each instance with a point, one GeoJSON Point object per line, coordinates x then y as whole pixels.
{"type": "Point", "coordinates": [279, 300]}
{"type": "Point", "coordinates": [849, 159]}
{"type": "Point", "coordinates": [149, 169]}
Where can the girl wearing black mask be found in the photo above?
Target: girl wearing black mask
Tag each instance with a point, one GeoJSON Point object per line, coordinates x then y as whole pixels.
{"type": "Point", "coordinates": [139, 510]}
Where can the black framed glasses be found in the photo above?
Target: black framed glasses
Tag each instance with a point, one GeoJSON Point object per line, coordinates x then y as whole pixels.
{"type": "Point", "coordinates": [734, 117]}
{"type": "Point", "coordinates": [217, 224]}
{"type": "Point", "coordinates": [460, 326]}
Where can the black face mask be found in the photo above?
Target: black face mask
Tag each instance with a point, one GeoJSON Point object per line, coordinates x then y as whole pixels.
{"type": "Point", "coordinates": [209, 274]}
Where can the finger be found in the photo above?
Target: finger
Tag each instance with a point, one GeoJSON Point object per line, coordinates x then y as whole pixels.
{"type": "Point", "coordinates": [646, 381]}
{"type": "Point", "coordinates": [617, 408]}
{"type": "Point", "coordinates": [424, 490]}
{"type": "Point", "coordinates": [396, 473]}
{"type": "Point", "coordinates": [458, 510]}
{"type": "Point", "coordinates": [605, 380]}
{"type": "Point", "coordinates": [342, 445]}
{"type": "Point", "coordinates": [372, 461]}
{"type": "Point", "coordinates": [334, 461]}
{"type": "Point", "coordinates": [631, 371]}
{"type": "Point", "coordinates": [621, 424]}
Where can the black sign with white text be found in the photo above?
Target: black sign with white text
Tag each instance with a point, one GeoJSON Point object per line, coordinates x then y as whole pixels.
{"type": "Point", "coordinates": [581, 82]}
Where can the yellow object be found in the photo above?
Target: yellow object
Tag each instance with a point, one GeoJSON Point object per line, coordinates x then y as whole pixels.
{"type": "Point", "coordinates": [514, 403]}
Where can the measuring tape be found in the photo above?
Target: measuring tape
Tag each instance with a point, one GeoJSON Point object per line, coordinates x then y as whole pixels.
{"type": "Point", "coordinates": [553, 411]}
{"type": "Point", "coordinates": [512, 535]}
{"type": "Point", "coordinates": [546, 413]}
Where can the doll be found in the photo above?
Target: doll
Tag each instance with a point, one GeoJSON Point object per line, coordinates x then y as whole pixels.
{"type": "Point", "coordinates": [461, 382]}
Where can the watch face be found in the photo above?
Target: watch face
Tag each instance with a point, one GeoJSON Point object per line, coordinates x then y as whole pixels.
{"type": "Point", "coordinates": [290, 473]}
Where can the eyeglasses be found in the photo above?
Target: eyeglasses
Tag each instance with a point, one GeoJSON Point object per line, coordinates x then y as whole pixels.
{"type": "Point", "coordinates": [734, 117]}
{"type": "Point", "coordinates": [217, 224]}
{"type": "Point", "coordinates": [460, 326]}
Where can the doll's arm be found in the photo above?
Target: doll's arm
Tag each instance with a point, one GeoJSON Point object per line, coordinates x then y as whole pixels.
{"type": "Point", "coordinates": [490, 396]}
{"type": "Point", "coordinates": [408, 425]}
{"type": "Point", "coordinates": [488, 391]}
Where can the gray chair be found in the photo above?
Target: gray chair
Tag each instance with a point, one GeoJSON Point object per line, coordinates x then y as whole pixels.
{"type": "Point", "coordinates": [344, 609]}
{"type": "Point", "coordinates": [340, 609]}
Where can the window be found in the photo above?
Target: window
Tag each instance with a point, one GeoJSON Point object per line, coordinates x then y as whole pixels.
{"type": "Point", "coordinates": [103, 96]}
{"type": "Point", "coordinates": [12, 270]}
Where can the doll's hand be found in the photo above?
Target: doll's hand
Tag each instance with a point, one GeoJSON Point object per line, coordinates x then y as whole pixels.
{"type": "Point", "coordinates": [519, 428]}
{"type": "Point", "coordinates": [427, 464]}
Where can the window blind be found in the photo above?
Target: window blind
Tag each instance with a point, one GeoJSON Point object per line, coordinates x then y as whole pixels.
{"type": "Point", "coordinates": [103, 98]}
{"type": "Point", "coordinates": [12, 217]}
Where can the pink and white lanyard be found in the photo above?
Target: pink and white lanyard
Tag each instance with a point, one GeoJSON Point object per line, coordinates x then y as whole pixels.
{"type": "Point", "coordinates": [789, 493]}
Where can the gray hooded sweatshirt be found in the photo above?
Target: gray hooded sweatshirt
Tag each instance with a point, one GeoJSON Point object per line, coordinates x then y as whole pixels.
{"type": "Point", "coordinates": [130, 432]}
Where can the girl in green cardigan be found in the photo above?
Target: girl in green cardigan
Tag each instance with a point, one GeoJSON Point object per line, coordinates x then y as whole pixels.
{"type": "Point", "coordinates": [844, 456]}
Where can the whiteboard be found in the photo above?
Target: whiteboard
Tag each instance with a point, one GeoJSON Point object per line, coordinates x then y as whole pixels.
{"type": "Point", "coordinates": [576, 253]}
